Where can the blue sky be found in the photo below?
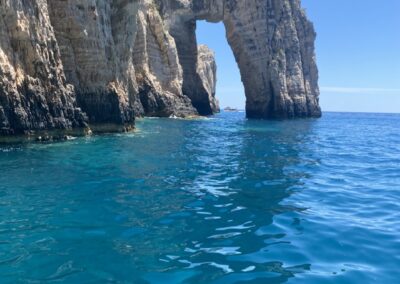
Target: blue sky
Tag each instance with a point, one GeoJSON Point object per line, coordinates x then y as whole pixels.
{"type": "Point", "coordinates": [358, 52]}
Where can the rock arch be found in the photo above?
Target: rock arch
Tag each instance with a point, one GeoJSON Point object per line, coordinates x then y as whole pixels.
{"type": "Point", "coordinates": [76, 64]}
{"type": "Point", "coordinates": [273, 43]}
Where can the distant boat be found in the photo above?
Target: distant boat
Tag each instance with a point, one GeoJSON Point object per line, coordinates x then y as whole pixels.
{"type": "Point", "coordinates": [229, 109]}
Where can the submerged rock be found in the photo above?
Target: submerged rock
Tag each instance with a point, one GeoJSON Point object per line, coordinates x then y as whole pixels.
{"type": "Point", "coordinates": [71, 63]}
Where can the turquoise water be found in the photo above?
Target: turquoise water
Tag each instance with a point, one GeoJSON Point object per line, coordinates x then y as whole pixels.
{"type": "Point", "coordinates": [220, 200]}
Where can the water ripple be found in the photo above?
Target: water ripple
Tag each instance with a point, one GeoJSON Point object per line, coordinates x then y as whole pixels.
{"type": "Point", "coordinates": [222, 200]}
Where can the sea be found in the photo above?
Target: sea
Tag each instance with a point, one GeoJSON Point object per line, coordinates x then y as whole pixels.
{"type": "Point", "coordinates": [220, 199]}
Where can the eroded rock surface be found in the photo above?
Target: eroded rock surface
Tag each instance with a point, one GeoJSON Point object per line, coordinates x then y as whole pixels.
{"type": "Point", "coordinates": [33, 90]}
{"type": "Point", "coordinates": [69, 63]}
{"type": "Point", "coordinates": [273, 43]}
{"type": "Point", "coordinates": [158, 70]}
{"type": "Point", "coordinates": [96, 39]}
{"type": "Point", "coordinates": [207, 70]}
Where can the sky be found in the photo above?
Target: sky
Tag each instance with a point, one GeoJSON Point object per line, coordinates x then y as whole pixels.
{"type": "Point", "coordinates": [358, 55]}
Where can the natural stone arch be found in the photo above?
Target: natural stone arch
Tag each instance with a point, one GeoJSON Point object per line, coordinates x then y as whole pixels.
{"type": "Point", "coordinates": [273, 43]}
{"type": "Point", "coordinates": [76, 64]}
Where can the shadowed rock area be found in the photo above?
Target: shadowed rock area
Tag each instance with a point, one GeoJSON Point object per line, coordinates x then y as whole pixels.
{"type": "Point", "coordinates": [68, 64]}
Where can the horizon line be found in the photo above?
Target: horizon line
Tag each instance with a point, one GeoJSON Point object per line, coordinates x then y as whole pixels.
{"type": "Point", "coordinates": [336, 111]}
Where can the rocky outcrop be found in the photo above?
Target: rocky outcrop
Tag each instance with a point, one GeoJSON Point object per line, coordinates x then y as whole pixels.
{"type": "Point", "coordinates": [207, 70]}
{"type": "Point", "coordinates": [33, 90]}
{"type": "Point", "coordinates": [73, 63]}
{"type": "Point", "coordinates": [273, 43]}
{"type": "Point", "coordinates": [95, 40]}
{"type": "Point", "coordinates": [158, 71]}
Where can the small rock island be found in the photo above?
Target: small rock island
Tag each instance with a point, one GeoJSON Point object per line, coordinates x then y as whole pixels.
{"type": "Point", "coordinates": [96, 65]}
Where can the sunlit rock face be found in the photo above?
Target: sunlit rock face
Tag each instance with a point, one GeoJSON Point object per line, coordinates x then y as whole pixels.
{"type": "Point", "coordinates": [207, 70]}
{"type": "Point", "coordinates": [180, 20]}
{"type": "Point", "coordinates": [273, 43]}
{"type": "Point", "coordinates": [158, 70]}
{"type": "Point", "coordinates": [33, 90]}
{"type": "Point", "coordinates": [77, 63]}
{"type": "Point", "coordinates": [96, 38]}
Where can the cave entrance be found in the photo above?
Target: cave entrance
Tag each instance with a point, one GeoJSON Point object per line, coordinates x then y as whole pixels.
{"type": "Point", "coordinates": [229, 90]}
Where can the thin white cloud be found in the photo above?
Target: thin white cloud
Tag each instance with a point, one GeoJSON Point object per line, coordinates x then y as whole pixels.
{"type": "Point", "coordinates": [344, 90]}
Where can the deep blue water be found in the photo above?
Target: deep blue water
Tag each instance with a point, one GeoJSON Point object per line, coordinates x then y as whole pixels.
{"type": "Point", "coordinates": [220, 200]}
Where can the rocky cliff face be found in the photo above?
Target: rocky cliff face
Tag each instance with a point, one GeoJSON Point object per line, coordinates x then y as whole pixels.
{"type": "Point", "coordinates": [158, 71]}
{"type": "Point", "coordinates": [273, 43]}
{"type": "Point", "coordinates": [33, 89]}
{"type": "Point", "coordinates": [96, 39]}
{"type": "Point", "coordinates": [77, 63]}
{"type": "Point", "coordinates": [207, 70]}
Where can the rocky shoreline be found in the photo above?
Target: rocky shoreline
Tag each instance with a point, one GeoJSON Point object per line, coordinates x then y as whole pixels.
{"type": "Point", "coordinates": [72, 64]}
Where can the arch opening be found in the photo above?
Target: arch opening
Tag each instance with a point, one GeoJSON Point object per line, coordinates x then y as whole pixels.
{"type": "Point", "coordinates": [229, 87]}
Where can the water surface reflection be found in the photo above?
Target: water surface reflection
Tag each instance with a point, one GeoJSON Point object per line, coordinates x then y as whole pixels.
{"type": "Point", "coordinates": [220, 200]}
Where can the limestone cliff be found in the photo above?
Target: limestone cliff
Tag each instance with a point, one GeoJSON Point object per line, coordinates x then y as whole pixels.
{"type": "Point", "coordinates": [158, 71]}
{"type": "Point", "coordinates": [273, 43]}
{"type": "Point", "coordinates": [207, 70]}
{"type": "Point", "coordinates": [78, 63]}
{"type": "Point", "coordinates": [96, 38]}
{"type": "Point", "coordinates": [33, 89]}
